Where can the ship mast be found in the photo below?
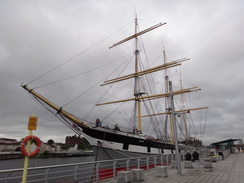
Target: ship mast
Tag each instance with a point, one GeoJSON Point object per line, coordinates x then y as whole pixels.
{"type": "Point", "coordinates": [184, 113]}
{"type": "Point", "coordinates": [137, 87]}
{"type": "Point", "coordinates": [167, 104]}
{"type": "Point", "coordinates": [138, 93]}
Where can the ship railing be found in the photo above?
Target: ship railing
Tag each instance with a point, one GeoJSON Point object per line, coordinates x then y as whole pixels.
{"type": "Point", "coordinates": [106, 125]}
{"type": "Point", "coordinates": [113, 127]}
{"type": "Point", "coordinates": [85, 172]}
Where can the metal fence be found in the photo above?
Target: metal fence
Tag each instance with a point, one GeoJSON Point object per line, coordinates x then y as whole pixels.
{"type": "Point", "coordinates": [84, 172]}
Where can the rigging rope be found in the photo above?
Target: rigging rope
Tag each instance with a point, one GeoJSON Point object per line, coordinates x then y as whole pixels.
{"type": "Point", "coordinates": [114, 110]}
{"type": "Point", "coordinates": [180, 127]}
{"type": "Point", "coordinates": [100, 99]}
{"type": "Point", "coordinates": [102, 96]}
{"type": "Point", "coordinates": [65, 62]}
{"type": "Point", "coordinates": [205, 123]}
{"type": "Point", "coordinates": [94, 106]}
{"type": "Point", "coordinates": [193, 128]}
{"type": "Point", "coordinates": [154, 122]}
{"type": "Point", "coordinates": [86, 91]}
{"type": "Point", "coordinates": [106, 91]}
{"type": "Point", "coordinates": [70, 77]}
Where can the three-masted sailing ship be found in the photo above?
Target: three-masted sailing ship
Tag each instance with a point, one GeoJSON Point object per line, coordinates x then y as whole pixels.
{"type": "Point", "coordinates": [113, 143]}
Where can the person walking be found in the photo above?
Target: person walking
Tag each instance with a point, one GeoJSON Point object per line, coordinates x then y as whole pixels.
{"type": "Point", "coordinates": [195, 156]}
{"type": "Point", "coordinates": [188, 156]}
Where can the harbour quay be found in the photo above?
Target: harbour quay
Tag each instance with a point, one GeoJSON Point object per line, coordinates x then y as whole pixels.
{"type": "Point", "coordinates": [229, 170]}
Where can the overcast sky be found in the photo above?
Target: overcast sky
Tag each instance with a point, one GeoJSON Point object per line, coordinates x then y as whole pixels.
{"type": "Point", "coordinates": [37, 36]}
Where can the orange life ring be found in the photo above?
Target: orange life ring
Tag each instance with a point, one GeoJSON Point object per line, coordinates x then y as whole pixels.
{"type": "Point", "coordinates": [24, 142]}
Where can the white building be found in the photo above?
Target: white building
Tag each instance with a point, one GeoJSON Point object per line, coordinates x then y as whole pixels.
{"type": "Point", "coordinates": [75, 148]}
{"type": "Point", "coordinates": [47, 147]}
{"type": "Point", "coordinates": [7, 144]}
{"type": "Point", "coordinates": [240, 141]}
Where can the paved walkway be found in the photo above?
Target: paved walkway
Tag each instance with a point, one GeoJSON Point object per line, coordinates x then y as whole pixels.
{"type": "Point", "coordinates": [230, 170]}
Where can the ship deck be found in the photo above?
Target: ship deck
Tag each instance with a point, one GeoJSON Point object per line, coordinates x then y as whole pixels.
{"type": "Point", "coordinates": [228, 170]}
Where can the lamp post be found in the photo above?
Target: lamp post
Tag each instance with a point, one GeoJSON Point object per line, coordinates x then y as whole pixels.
{"type": "Point", "coordinates": [175, 129]}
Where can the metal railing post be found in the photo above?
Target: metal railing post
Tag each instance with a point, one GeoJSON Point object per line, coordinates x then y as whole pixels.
{"type": "Point", "coordinates": [128, 165]}
{"type": "Point", "coordinates": [114, 169]}
{"type": "Point", "coordinates": [162, 162]}
{"type": "Point", "coordinates": [147, 163]}
{"type": "Point", "coordinates": [46, 175]}
{"type": "Point", "coordinates": [97, 172]}
{"type": "Point", "coordinates": [75, 172]}
{"type": "Point", "coordinates": [7, 176]}
{"type": "Point", "coordinates": [138, 163]}
{"type": "Point", "coordinates": [155, 162]}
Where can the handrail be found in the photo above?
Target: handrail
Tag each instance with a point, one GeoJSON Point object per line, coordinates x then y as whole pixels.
{"type": "Point", "coordinates": [74, 164]}
{"type": "Point", "coordinates": [97, 170]}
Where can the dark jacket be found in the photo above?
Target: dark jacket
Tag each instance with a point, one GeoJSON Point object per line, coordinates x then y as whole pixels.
{"type": "Point", "coordinates": [195, 155]}
{"type": "Point", "coordinates": [188, 156]}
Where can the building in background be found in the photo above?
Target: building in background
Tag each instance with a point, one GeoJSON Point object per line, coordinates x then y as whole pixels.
{"type": "Point", "coordinates": [71, 141]}
{"type": "Point", "coordinates": [240, 141]}
{"type": "Point", "coordinates": [7, 144]}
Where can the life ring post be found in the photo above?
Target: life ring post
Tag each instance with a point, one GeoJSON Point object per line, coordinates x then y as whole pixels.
{"type": "Point", "coordinates": [27, 142]}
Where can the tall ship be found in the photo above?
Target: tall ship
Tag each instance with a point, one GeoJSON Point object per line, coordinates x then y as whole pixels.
{"type": "Point", "coordinates": [151, 130]}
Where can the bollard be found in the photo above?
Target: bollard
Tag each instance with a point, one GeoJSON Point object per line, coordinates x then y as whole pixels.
{"type": "Point", "coordinates": [124, 177]}
{"type": "Point", "coordinates": [173, 164]}
{"type": "Point", "coordinates": [188, 164]}
{"type": "Point", "coordinates": [138, 175]}
{"type": "Point", "coordinates": [207, 163]}
{"type": "Point", "coordinates": [161, 171]}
